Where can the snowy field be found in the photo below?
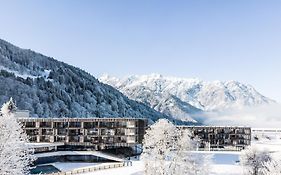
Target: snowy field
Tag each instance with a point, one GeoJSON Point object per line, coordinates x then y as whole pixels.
{"type": "Point", "coordinates": [224, 163]}
{"type": "Point", "coordinates": [136, 169]}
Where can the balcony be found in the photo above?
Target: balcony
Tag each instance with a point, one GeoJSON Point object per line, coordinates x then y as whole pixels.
{"type": "Point", "coordinates": [75, 124]}
{"type": "Point", "coordinates": [131, 140]}
{"type": "Point", "coordinates": [30, 124]}
{"type": "Point", "coordinates": [61, 124]}
{"type": "Point", "coordinates": [62, 132]}
{"type": "Point", "coordinates": [45, 139]}
{"type": "Point", "coordinates": [45, 124]}
{"type": "Point", "coordinates": [74, 139]}
{"type": "Point", "coordinates": [33, 138]}
{"type": "Point", "coordinates": [131, 124]}
{"type": "Point", "coordinates": [92, 131]}
{"type": "Point", "coordinates": [47, 132]}
{"type": "Point", "coordinates": [32, 132]}
{"type": "Point", "coordinates": [60, 139]}
{"type": "Point", "coordinates": [90, 125]}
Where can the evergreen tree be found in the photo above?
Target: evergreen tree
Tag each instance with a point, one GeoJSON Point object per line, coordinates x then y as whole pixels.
{"type": "Point", "coordinates": [15, 155]}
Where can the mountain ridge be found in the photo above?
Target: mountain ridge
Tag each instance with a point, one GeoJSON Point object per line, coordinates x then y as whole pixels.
{"type": "Point", "coordinates": [200, 96]}
{"type": "Point", "coordinates": [50, 88]}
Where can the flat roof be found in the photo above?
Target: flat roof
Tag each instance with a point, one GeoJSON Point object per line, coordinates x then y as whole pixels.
{"type": "Point", "coordinates": [44, 144]}
{"type": "Point", "coordinates": [78, 119]}
{"type": "Point", "coordinates": [266, 129]}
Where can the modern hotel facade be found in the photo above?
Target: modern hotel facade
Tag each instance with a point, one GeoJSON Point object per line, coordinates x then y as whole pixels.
{"type": "Point", "coordinates": [221, 137]}
{"type": "Point", "coordinates": [86, 133]}
{"type": "Point", "coordinates": [107, 133]}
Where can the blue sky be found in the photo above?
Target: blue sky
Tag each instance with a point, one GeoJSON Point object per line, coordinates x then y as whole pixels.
{"type": "Point", "coordinates": [212, 40]}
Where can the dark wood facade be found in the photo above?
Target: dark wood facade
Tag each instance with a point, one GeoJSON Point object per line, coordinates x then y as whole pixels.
{"type": "Point", "coordinates": [87, 133]}
{"type": "Point", "coordinates": [221, 137]}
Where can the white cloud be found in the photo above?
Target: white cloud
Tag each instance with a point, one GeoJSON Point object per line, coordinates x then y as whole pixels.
{"type": "Point", "coordinates": [261, 116]}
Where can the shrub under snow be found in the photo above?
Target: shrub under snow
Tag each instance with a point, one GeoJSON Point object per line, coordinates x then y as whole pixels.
{"type": "Point", "coordinates": [254, 161]}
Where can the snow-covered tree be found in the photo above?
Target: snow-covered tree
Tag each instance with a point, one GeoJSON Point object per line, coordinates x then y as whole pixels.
{"type": "Point", "coordinates": [254, 160]}
{"type": "Point", "coordinates": [167, 151]}
{"type": "Point", "coordinates": [272, 167]}
{"type": "Point", "coordinates": [15, 156]}
{"type": "Point", "coordinates": [158, 144]}
{"type": "Point", "coordinates": [185, 162]}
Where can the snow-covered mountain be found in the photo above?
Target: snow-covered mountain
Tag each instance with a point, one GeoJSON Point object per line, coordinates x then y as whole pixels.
{"type": "Point", "coordinates": [181, 98]}
{"type": "Point", "coordinates": [50, 88]}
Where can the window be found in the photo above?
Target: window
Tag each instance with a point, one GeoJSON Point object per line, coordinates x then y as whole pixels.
{"type": "Point", "coordinates": [120, 131]}
{"type": "Point", "coordinates": [94, 131]}
{"type": "Point", "coordinates": [74, 139]}
{"type": "Point", "coordinates": [47, 132]}
{"type": "Point", "coordinates": [45, 124]}
{"type": "Point", "coordinates": [88, 125]}
{"type": "Point", "coordinates": [74, 132]}
{"type": "Point", "coordinates": [62, 132]}
{"type": "Point", "coordinates": [60, 139]}
{"type": "Point", "coordinates": [103, 124]}
{"type": "Point", "coordinates": [30, 124]}
{"type": "Point", "coordinates": [61, 124]}
{"type": "Point", "coordinates": [44, 138]}
{"type": "Point", "coordinates": [75, 124]}
{"type": "Point", "coordinates": [33, 139]}
{"type": "Point", "coordinates": [31, 132]}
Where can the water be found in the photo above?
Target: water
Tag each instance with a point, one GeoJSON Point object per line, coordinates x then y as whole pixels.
{"type": "Point", "coordinates": [44, 169]}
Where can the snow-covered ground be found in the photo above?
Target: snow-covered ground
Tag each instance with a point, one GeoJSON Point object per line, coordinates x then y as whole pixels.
{"type": "Point", "coordinates": [136, 169]}
{"type": "Point", "coordinates": [224, 163]}
{"type": "Point", "coordinates": [220, 169]}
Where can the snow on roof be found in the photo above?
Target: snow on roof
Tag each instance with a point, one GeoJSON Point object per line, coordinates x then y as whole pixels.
{"type": "Point", "coordinates": [267, 129]}
{"type": "Point", "coordinates": [43, 144]}
{"type": "Point", "coordinates": [94, 153]}
{"type": "Point", "coordinates": [90, 118]}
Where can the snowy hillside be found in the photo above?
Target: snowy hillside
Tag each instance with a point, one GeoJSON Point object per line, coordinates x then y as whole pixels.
{"type": "Point", "coordinates": [182, 97]}
{"type": "Point", "coordinates": [49, 88]}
